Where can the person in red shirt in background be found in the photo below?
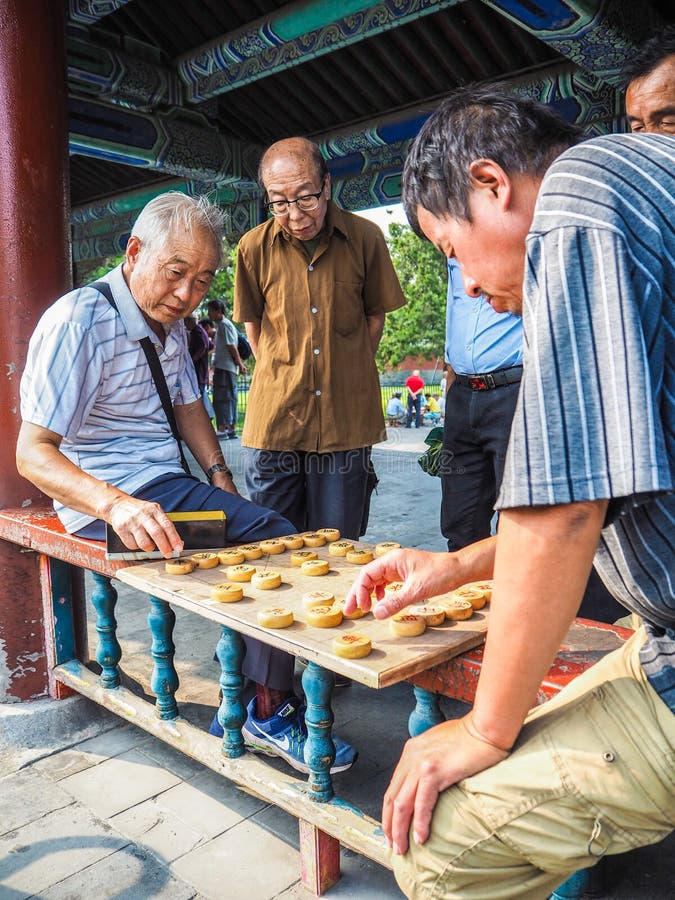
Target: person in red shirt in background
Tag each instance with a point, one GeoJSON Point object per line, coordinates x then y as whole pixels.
{"type": "Point", "coordinates": [415, 388]}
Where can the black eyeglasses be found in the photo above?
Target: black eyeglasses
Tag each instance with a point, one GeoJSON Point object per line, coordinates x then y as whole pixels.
{"type": "Point", "coordinates": [306, 203]}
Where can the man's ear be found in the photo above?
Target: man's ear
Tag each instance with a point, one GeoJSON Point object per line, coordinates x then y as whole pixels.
{"type": "Point", "coordinates": [132, 250]}
{"type": "Point", "coordinates": [327, 187]}
{"type": "Point", "coordinates": [487, 175]}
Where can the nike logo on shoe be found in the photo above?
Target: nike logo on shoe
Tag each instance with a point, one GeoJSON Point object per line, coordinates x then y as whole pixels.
{"type": "Point", "coordinates": [283, 743]}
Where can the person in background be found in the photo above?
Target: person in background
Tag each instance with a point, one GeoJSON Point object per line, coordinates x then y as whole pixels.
{"type": "Point", "coordinates": [443, 386]}
{"type": "Point", "coordinates": [210, 329]}
{"type": "Point", "coordinates": [313, 285]}
{"type": "Point", "coordinates": [199, 347]}
{"type": "Point", "coordinates": [227, 364]}
{"type": "Point", "coordinates": [650, 92]}
{"type": "Point", "coordinates": [395, 411]}
{"type": "Point", "coordinates": [441, 406]}
{"type": "Point", "coordinates": [484, 350]}
{"type": "Point", "coordinates": [579, 238]}
{"type": "Point", "coordinates": [415, 388]}
{"type": "Point", "coordinates": [432, 409]}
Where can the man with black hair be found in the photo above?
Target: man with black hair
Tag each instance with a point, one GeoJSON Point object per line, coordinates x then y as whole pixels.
{"type": "Point", "coordinates": [650, 92]}
{"type": "Point", "coordinates": [579, 239]}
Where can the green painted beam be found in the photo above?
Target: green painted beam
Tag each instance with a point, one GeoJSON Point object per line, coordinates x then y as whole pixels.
{"type": "Point", "coordinates": [306, 17]}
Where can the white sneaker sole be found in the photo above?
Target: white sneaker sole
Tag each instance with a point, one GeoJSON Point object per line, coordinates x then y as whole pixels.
{"type": "Point", "coordinates": [256, 744]}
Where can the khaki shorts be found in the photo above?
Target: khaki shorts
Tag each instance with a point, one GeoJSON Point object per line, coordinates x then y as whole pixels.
{"type": "Point", "coordinates": [592, 773]}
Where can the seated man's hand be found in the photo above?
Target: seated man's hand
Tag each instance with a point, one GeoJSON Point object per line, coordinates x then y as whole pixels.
{"type": "Point", "coordinates": [423, 574]}
{"type": "Point", "coordinates": [144, 526]}
{"type": "Point", "coordinates": [430, 763]}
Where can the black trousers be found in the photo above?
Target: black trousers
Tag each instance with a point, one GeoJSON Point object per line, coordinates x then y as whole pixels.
{"type": "Point", "coordinates": [313, 490]}
{"type": "Point", "coordinates": [475, 438]}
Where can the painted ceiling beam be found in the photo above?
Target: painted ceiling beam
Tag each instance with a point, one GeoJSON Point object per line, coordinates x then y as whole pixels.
{"type": "Point", "coordinates": [597, 35]}
{"type": "Point", "coordinates": [365, 164]}
{"type": "Point", "coordinates": [289, 37]}
{"type": "Point", "coordinates": [118, 76]}
{"type": "Point", "coordinates": [88, 12]}
{"type": "Point", "coordinates": [575, 95]}
{"type": "Point", "coordinates": [93, 218]}
{"type": "Point", "coordinates": [351, 152]}
{"type": "Point", "coordinates": [107, 235]}
{"type": "Point", "coordinates": [177, 141]}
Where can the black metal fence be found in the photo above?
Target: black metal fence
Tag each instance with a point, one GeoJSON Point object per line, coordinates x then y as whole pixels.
{"type": "Point", "coordinates": [387, 391]}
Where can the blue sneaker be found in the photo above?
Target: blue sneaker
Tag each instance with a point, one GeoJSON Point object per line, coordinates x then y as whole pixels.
{"type": "Point", "coordinates": [284, 734]}
{"type": "Point", "coordinates": [215, 728]}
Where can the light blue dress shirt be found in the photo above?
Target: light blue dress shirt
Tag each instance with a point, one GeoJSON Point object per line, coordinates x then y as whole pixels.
{"type": "Point", "coordinates": [478, 339]}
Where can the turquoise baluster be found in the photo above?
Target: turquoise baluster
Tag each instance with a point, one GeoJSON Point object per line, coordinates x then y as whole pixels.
{"type": "Point", "coordinates": [317, 684]}
{"type": "Point", "coordinates": [574, 887]}
{"type": "Point", "coordinates": [164, 680]}
{"type": "Point", "coordinates": [231, 713]}
{"type": "Point", "coordinates": [427, 712]}
{"type": "Point", "coordinates": [108, 651]}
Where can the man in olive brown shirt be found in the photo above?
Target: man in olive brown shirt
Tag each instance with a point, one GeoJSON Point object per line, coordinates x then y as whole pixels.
{"type": "Point", "coordinates": [313, 285]}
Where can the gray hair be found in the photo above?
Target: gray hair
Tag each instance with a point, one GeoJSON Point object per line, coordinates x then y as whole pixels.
{"type": "Point", "coordinates": [172, 212]}
{"type": "Point", "coordinates": [521, 135]}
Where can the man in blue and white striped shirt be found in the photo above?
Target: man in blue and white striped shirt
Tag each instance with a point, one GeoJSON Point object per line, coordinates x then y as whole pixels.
{"type": "Point", "coordinates": [95, 435]}
{"type": "Point", "coordinates": [579, 238]}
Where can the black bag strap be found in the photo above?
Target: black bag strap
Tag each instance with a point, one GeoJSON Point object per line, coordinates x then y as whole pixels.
{"type": "Point", "coordinates": [156, 371]}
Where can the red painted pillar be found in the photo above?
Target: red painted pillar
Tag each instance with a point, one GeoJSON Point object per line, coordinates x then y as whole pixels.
{"type": "Point", "coordinates": [35, 222]}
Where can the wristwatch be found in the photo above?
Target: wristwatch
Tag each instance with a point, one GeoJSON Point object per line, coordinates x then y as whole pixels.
{"type": "Point", "coordinates": [219, 467]}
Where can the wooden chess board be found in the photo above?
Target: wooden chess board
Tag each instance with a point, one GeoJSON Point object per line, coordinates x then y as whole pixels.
{"type": "Point", "coordinates": [392, 659]}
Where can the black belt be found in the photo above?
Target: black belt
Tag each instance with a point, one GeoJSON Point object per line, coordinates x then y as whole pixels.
{"type": "Point", "coordinates": [490, 380]}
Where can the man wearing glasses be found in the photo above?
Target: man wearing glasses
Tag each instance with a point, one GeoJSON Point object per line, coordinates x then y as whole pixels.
{"type": "Point", "coordinates": [313, 285]}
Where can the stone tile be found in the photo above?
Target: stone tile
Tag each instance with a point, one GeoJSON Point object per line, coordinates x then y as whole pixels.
{"type": "Point", "coordinates": [280, 823]}
{"type": "Point", "coordinates": [210, 804]}
{"type": "Point", "coordinates": [170, 758]}
{"type": "Point", "coordinates": [157, 829]}
{"type": "Point", "coordinates": [62, 764]}
{"type": "Point", "coordinates": [28, 795]}
{"type": "Point", "coordinates": [112, 743]}
{"type": "Point", "coordinates": [130, 873]}
{"type": "Point", "coordinates": [118, 784]}
{"type": "Point", "coordinates": [52, 848]}
{"type": "Point", "coordinates": [245, 863]}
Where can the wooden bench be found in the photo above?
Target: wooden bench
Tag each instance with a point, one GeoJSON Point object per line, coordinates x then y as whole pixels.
{"type": "Point", "coordinates": [586, 642]}
{"type": "Point", "coordinates": [324, 821]}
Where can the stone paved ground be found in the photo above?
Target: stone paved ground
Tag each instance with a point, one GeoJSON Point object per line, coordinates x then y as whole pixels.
{"type": "Point", "coordinates": [94, 807]}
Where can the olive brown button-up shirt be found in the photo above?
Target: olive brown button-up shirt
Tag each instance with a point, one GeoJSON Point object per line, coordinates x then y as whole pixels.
{"type": "Point", "coordinates": [315, 386]}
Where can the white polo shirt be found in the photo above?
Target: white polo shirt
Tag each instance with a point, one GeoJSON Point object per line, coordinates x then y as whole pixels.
{"type": "Point", "coordinates": [87, 379]}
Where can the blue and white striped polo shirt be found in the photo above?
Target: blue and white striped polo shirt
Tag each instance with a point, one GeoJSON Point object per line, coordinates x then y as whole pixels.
{"type": "Point", "coordinates": [87, 379]}
{"type": "Point", "coordinates": [596, 413]}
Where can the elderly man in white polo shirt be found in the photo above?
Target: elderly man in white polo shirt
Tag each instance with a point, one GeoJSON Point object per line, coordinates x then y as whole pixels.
{"type": "Point", "coordinates": [96, 438]}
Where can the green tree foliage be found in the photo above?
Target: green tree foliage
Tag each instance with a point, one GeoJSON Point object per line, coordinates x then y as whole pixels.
{"type": "Point", "coordinates": [222, 286]}
{"type": "Point", "coordinates": [418, 328]}
{"type": "Point", "coordinates": [89, 275]}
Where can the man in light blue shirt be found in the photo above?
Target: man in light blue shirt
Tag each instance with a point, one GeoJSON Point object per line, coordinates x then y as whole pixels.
{"type": "Point", "coordinates": [484, 349]}
{"type": "Point", "coordinates": [396, 411]}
